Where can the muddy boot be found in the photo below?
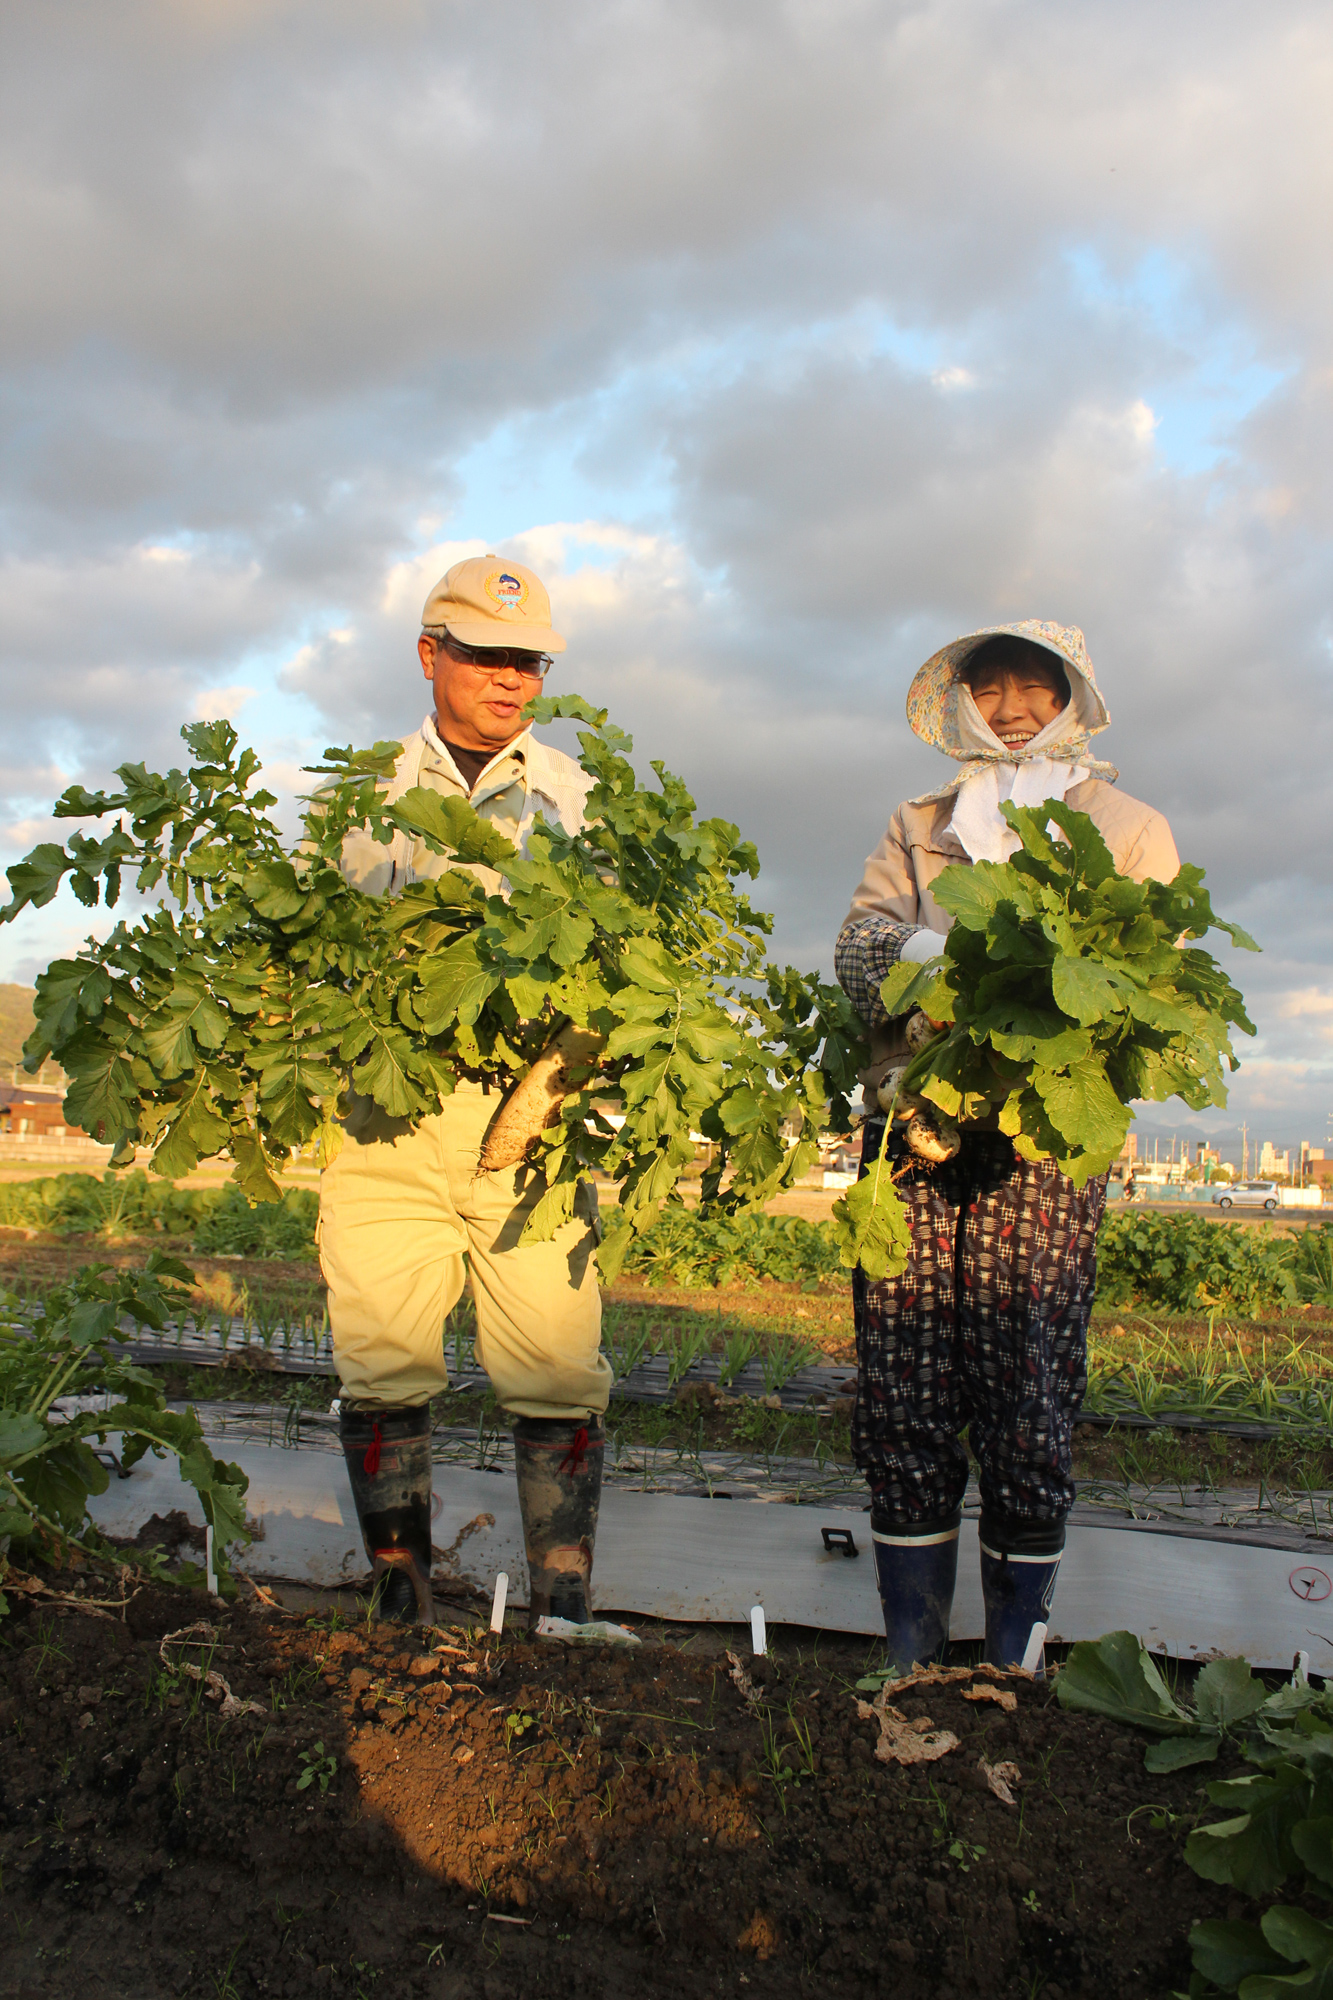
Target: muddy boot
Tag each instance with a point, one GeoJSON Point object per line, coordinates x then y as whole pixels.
{"type": "Point", "coordinates": [915, 1568]}
{"type": "Point", "coordinates": [559, 1466]}
{"type": "Point", "coordinates": [1019, 1564]}
{"type": "Point", "coordinates": [388, 1464]}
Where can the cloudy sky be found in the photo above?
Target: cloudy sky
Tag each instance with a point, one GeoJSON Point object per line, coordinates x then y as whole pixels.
{"type": "Point", "coordinates": [786, 341]}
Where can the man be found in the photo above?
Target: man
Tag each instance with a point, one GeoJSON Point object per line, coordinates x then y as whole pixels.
{"type": "Point", "coordinates": [986, 1329]}
{"type": "Point", "coordinates": [400, 1209]}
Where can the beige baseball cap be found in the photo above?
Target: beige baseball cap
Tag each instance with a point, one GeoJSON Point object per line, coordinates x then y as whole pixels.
{"type": "Point", "coordinates": [486, 602]}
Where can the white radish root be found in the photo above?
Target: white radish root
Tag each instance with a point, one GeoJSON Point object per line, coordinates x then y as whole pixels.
{"type": "Point", "coordinates": [888, 1089]}
{"type": "Point", "coordinates": [932, 1137]}
{"type": "Point", "coordinates": [535, 1101]}
{"type": "Point", "coordinates": [919, 1032]}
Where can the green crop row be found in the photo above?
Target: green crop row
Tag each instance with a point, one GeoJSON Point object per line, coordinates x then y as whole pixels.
{"type": "Point", "coordinates": [1182, 1264]}
{"type": "Point", "coordinates": [218, 1222]}
{"type": "Point", "coordinates": [1164, 1263]}
{"type": "Point", "coordinates": [70, 1349]}
{"type": "Point", "coordinates": [689, 1250]}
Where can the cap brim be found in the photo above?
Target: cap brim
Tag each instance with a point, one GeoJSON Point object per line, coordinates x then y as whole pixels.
{"type": "Point", "coordinates": [471, 628]}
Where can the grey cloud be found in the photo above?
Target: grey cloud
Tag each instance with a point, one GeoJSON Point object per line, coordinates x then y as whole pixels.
{"type": "Point", "coordinates": [287, 200]}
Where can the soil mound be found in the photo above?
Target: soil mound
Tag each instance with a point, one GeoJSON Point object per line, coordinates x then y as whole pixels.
{"type": "Point", "coordinates": [243, 1802]}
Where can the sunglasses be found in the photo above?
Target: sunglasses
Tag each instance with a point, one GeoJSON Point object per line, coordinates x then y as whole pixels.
{"type": "Point", "coordinates": [499, 659]}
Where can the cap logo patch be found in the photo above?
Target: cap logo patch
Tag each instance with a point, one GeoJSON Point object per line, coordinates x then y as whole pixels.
{"type": "Point", "coordinates": [506, 590]}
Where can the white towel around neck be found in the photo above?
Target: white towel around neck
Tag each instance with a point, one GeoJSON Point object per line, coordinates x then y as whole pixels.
{"type": "Point", "coordinates": [976, 815]}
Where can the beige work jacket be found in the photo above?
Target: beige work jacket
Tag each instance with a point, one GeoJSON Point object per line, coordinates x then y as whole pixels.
{"type": "Point", "coordinates": [918, 846]}
{"type": "Point", "coordinates": [522, 780]}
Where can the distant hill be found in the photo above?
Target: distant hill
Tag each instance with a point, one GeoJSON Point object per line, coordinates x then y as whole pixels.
{"type": "Point", "coordinates": [16, 1024]}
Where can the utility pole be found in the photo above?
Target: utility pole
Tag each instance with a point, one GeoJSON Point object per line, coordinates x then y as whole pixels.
{"type": "Point", "coordinates": [1244, 1152]}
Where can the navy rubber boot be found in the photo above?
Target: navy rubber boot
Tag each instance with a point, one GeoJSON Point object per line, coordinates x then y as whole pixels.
{"type": "Point", "coordinates": [1020, 1561]}
{"type": "Point", "coordinates": [915, 1568]}
{"type": "Point", "coordinates": [388, 1465]}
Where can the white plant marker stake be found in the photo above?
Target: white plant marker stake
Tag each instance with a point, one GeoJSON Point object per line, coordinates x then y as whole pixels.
{"type": "Point", "coordinates": [758, 1631]}
{"type": "Point", "coordinates": [1032, 1652]}
{"type": "Point", "coordinates": [498, 1606]}
{"type": "Point", "coordinates": [210, 1574]}
{"type": "Point", "coordinates": [1300, 1669]}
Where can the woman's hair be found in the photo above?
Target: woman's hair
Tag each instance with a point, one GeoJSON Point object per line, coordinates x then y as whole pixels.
{"type": "Point", "coordinates": [1008, 654]}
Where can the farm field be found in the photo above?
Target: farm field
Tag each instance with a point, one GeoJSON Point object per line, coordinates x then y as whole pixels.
{"type": "Point", "coordinates": [448, 1815]}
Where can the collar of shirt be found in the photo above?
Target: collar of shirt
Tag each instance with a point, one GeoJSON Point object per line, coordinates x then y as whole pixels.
{"type": "Point", "coordinates": [517, 750]}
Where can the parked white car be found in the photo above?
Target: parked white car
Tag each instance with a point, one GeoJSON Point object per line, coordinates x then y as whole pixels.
{"type": "Point", "coordinates": [1247, 1194]}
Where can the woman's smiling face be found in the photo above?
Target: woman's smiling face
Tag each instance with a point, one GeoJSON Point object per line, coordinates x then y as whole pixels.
{"type": "Point", "coordinates": [1017, 703]}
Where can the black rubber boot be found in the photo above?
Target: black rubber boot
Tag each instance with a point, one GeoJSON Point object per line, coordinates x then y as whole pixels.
{"type": "Point", "coordinates": [388, 1464]}
{"type": "Point", "coordinates": [915, 1568]}
{"type": "Point", "coordinates": [1020, 1561]}
{"type": "Point", "coordinates": [559, 1467]}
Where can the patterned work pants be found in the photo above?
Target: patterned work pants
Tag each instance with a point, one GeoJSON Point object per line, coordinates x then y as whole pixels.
{"type": "Point", "coordinates": [986, 1329]}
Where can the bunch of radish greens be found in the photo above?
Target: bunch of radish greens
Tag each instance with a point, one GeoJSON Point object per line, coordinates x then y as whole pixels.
{"type": "Point", "coordinates": [237, 1011]}
{"type": "Point", "coordinates": [1064, 991]}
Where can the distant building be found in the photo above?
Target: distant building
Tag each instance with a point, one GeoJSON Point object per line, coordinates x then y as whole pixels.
{"type": "Point", "coordinates": [34, 1111]}
{"type": "Point", "coordinates": [1272, 1163]}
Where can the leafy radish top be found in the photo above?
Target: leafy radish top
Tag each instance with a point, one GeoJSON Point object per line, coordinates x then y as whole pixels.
{"type": "Point", "coordinates": [234, 1012]}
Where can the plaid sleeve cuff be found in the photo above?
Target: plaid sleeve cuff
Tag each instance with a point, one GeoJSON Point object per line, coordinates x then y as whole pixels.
{"type": "Point", "coordinates": [864, 955]}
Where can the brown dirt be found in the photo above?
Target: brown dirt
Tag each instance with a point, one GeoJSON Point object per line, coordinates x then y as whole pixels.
{"type": "Point", "coordinates": [512, 1819]}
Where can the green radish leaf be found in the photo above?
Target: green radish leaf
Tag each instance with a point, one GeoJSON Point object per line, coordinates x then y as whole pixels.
{"type": "Point", "coordinates": [1115, 1676]}
{"type": "Point", "coordinates": [1299, 1936]}
{"type": "Point", "coordinates": [1312, 1841]}
{"type": "Point", "coordinates": [1251, 1850]}
{"type": "Point", "coordinates": [36, 878]}
{"type": "Point", "coordinates": [1084, 990]}
{"type": "Point", "coordinates": [1225, 1953]}
{"type": "Point", "coordinates": [555, 1208]}
{"type": "Point", "coordinates": [1082, 1107]}
{"type": "Point", "coordinates": [871, 1224]}
{"type": "Point", "coordinates": [1226, 1693]}
{"type": "Point", "coordinates": [1092, 857]}
{"type": "Point", "coordinates": [383, 1073]}
{"type": "Point", "coordinates": [970, 895]}
{"type": "Point", "coordinates": [1174, 1753]}
{"type": "Point", "coordinates": [90, 1321]}
{"type": "Point", "coordinates": [19, 1435]}
{"type": "Point", "coordinates": [252, 1171]}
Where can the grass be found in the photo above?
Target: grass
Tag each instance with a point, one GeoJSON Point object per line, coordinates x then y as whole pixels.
{"type": "Point", "coordinates": [1223, 1373]}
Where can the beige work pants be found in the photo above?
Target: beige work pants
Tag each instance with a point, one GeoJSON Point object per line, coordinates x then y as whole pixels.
{"type": "Point", "coordinates": [397, 1211]}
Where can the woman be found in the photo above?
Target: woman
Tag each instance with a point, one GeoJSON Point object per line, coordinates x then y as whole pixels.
{"type": "Point", "coordinates": [987, 1327]}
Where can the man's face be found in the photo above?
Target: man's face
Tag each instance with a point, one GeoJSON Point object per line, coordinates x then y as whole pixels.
{"type": "Point", "coordinates": [1017, 704]}
{"type": "Point", "coordinates": [478, 707]}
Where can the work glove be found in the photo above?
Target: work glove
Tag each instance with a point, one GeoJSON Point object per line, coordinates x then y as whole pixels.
{"type": "Point", "coordinates": [922, 945]}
